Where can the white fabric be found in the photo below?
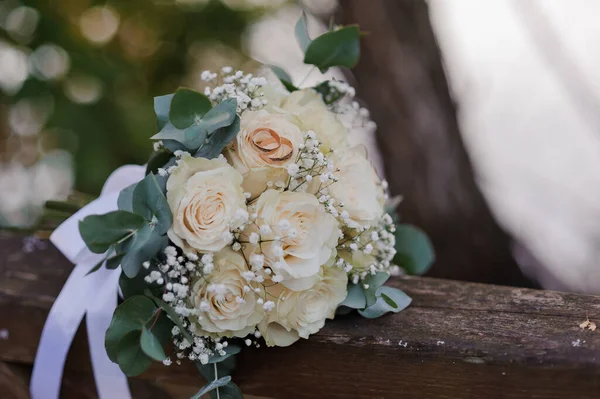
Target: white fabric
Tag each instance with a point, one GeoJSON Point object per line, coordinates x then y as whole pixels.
{"type": "Point", "coordinates": [93, 295]}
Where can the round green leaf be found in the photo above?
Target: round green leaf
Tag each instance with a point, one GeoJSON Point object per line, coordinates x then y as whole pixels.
{"type": "Point", "coordinates": [144, 246]}
{"type": "Point", "coordinates": [335, 48]}
{"type": "Point", "coordinates": [150, 202]}
{"type": "Point", "coordinates": [355, 298]}
{"type": "Point", "coordinates": [99, 232]}
{"type": "Point", "coordinates": [151, 345]}
{"type": "Point", "coordinates": [388, 300]}
{"type": "Point", "coordinates": [414, 251]}
{"type": "Point", "coordinates": [157, 160]}
{"type": "Point", "coordinates": [216, 141]}
{"type": "Point", "coordinates": [187, 107]}
{"type": "Point", "coordinates": [211, 386]}
{"type": "Point", "coordinates": [130, 357]}
{"type": "Point", "coordinates": [301, 32]}
{"type": "Point", "coordinates": [162, 104]}
{"type": "Point", "coordinates": [374, 281]}
{"type": "Point", "coordinates": [129, 316]}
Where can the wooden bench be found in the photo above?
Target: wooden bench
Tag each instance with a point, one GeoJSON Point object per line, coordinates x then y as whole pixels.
{"type": "Point", "coordinates": [456, 340]}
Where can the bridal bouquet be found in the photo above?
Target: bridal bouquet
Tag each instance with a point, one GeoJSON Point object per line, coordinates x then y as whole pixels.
{"type": "Point", "coordinates": [255, 223]}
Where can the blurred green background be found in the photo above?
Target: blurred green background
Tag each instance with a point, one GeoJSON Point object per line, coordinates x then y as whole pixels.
{"type": "Point", "coordinates": [77, 80]}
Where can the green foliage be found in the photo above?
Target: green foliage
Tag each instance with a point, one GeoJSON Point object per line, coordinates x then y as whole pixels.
{"type": "Point", "coordinates": [414, 249]}
{"type": "Point", "coordinates": [162, 105]}
{"type": "Point", "coordinates": [328, 93]}
{"type": "Point", "coordinates": [129, 316]}
{"type": "Point", "coordinates": [355, 299]}
{"type": "Point", "coordinates": [158, 159]}
{"type": "Point", "coordinates": [284, 78]}
{"type": "Point", "coordinates": [187, 107]}
{"type": "Point", "coordinates": [130, 357]}
{"type": "Point", "coordinates": [374, 281]}
{"type": "Point", "coordinates": [137, 334]}
{"type": "Point", "coordinates": [143, 246]}
{"type": "Point", "coordinates": [230, 350]}
{"type": "Point", "coordinates": [301, 31]}
{"type": "Point", "coordinates": [388, 299]}
{"type": "Point", "coordinates": [375, 300]}
{"type": "Point", "coordinates": [151, 346]}
{"type": "Point", "coordinates": [224, 367]}
{"type": "Point", "coordinates": [211, 386]}
{"type": "Point", "coordinates": [208, 133]}
{"type": "Point", "coordinates": [150, 202]}
{"type": "Point", "coordinates": [114, 262]}
{"type": "Point", "coordinates": [335, 48]}
{"type": "Point", "coordinates": [172, 314]}
{"type": "Point", "coordinates": [217, 140]}
{"type": "Point", "coordinates": [125, 200]}
{"type": "Point", "coordinates": [100, 232]}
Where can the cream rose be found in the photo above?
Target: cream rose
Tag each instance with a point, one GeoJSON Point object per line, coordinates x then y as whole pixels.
{"type": "Point", "coordinates": [308, 236]}
{"type": "Point", "coordinates": [204, 196]}
{"type": "Point", "coordinates": [313, 114]}
{"type": "Point", "coordinates": [358, 186]}
{"type": "Point", "coordinates": [266, 144]}
{"type": "Point", "coordinates": [224, 309]}
{"type": "Point", "coordinates": [298, 314]}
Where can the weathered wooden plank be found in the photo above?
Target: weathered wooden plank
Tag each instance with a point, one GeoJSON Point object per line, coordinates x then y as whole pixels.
{"type": "Point", "coordinates": [457, 340]}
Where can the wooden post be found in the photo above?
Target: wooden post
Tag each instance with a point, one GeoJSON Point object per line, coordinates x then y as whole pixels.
{"type": "Point", "coordinates": [401, 78]}
{"type": "Point", "coordinates": [456, 340]}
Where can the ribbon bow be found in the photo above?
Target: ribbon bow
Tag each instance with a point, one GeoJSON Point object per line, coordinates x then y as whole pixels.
{"type": "Point", "coordinates": [93, 295]}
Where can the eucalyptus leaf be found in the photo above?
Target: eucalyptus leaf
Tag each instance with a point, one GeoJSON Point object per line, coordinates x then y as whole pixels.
{"type": "Point", "coordinates": [162, 329]}
{"type": "Point", "coordinates": [172, 314]}
{"type": "Point", "coordinates": [151, 345]}
{"type": "Point", "coordinates": [162, 104]}
{"type": "Point", "coordinates": [229, 391]}
{"type": "Point", "coordinates": [100, 232]}
{"type": "Point", "coordinates": [114, 261]}
{"type": "Point", "coordinates": [150, 202]}
{"type": "Point", "coordinates": [284, 78]}
{"type": "Point", "coordinates": [328, 94]}
{"type": "Point", "coordinates": [215, 143]}
{"type": "Point", "coordinates": [124, 202]}
{"type": "Point", "coordinates": [130, 357]}
{"type": "Point", "coordinates": [97, 266]}
{"type": "Point", "coordinates": [223, 114]}
{"type": "Point", "coordinates": [157, 160]}
{"type": "Point", "coordinates": [170, 133]}
{"type": "Point", "coordinates": [224, 367]}
{"type": "Point", "coordinates": [187, 107]}
{"type": "Point", "coordinates": [173, 145]}
{"type": "Point", "coordinates": [144, 246]}
{"type": "Point", "coordinates": [389, 299]}
{"type": "Point", "coordinates": [355, 299]}
{"type": "Point", "coordinates": [301, 31]}
{"type": "Point", "coordinates": [230, 350]}
{"type": "Point", "coordinates": [211, 386]}
{"type": "Point", "coordinates": [414, 251]}
{"type": "Point", "coordinates": [129, 316]}
{"type": "Point", "coordinates": [335, 48]}
{"type": "Point", "coordinates": [374, 281]}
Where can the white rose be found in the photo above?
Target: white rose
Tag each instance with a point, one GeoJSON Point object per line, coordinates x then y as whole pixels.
{"type": "Point", "coordinates": [204, 196]}
{"type": "Point", "coordinates": [358, 186]}
{"type": "Point", "coordinates": [313, 114]}
{"type": "Point", "coordinates": [298, 314]}
{"type": "Point", "coordinates": [308, 235]}
{"type": "Point", "coordinates": [264, 147]}
{"type": "Point", "coordinates": [224, 309]}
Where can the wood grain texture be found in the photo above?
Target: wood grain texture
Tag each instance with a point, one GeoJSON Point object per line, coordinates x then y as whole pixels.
{"type": "Point", "coordinates": [401, 78]}
{"type": "Point", "coordinates": [456, 340]}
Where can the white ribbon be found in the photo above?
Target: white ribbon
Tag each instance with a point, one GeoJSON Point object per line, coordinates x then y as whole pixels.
{"type": "Point", "coordinates": [94, 296]}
